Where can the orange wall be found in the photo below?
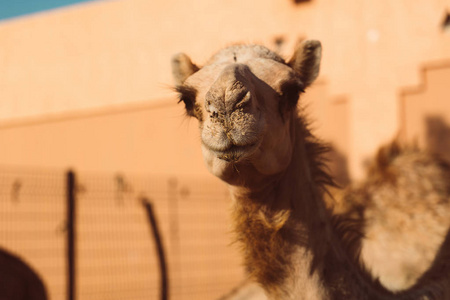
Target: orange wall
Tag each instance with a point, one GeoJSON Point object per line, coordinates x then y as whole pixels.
{"type": "Point", "coordinates": [150, 138]}
{"type": "Point", "coordinates": [155, 138]}
{"type": "Point", "coordinates": [425, 113]}
{"type": "Point", "coordinates": [118, 52]}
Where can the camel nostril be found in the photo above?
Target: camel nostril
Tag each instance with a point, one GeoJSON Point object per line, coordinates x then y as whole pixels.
{"type": "Point", "coordinates": [214, 114]}
{"type": "Point", "coordinates": [211, 108]}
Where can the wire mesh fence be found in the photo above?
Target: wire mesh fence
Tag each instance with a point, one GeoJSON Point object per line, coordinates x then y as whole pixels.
{"type": "Point", "coordinates": [32, 226]}
{"type": "Point", "coordinates": [115, 254]}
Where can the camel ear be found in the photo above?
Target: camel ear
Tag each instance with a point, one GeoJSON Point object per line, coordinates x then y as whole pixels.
{"type": "Point", "coordinates": [306, 61]}
{"type": "Point", "coordinates": [182, 68]}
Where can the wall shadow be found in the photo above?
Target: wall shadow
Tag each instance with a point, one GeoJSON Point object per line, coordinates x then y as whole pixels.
{"type": "Point", "coordinates": [337, 164]}
{"type": "Point", "coordinates": [437, 136]}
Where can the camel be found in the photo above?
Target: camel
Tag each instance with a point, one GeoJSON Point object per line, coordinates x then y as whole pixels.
{"type": "Point", "coordinates": [256, 139]}
{"type": "Point", "coordinates": [18, 281]}
{"type": "Point", "coordinates": [404, 206]}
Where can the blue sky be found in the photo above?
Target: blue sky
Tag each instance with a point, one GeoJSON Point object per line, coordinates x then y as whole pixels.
{"type": "Point", "coordinates": [16, 8]}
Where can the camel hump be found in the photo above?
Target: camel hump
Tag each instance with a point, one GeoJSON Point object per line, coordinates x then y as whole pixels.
{"type": "Point", "coordinates": [400, 159]}
{"type": "Point", "coordinates": [387, 154]}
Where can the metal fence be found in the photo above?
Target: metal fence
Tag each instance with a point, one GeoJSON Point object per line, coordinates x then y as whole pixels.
{"type": "Point", "coordinates": [88, 235]}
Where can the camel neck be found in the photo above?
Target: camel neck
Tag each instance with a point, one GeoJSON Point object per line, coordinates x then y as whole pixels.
{"type": "Point", "coordinates": [291, 245]}
{"type": "Point", "coordinates": [282, 225]}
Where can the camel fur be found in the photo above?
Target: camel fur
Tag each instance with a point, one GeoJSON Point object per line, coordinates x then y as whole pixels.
{"type": "Point", "coordinates": [256, 139]}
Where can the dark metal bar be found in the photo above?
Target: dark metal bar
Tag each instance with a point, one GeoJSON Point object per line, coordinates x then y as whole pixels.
{"type": "Point", "coordinates": [159, 248]}
{"type": "Point", "coordinates": [71, 235]}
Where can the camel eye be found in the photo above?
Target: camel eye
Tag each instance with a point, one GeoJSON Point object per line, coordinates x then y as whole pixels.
{"type": "Point", "coordinates": [188, 103]}
{"type": "Point", "coordinates": [187, 95]}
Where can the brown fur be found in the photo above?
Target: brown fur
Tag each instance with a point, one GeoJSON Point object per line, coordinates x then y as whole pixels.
{"type": "Point", "coordinates": [404, 206]}
{"type": "Point", "coordinates": [255, 139]}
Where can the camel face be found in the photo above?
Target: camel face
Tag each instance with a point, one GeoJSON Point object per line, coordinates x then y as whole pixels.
{"type": "Point", "coordinates": [233, 121]}
{"type": "Point", "coordinates": [244, 98]}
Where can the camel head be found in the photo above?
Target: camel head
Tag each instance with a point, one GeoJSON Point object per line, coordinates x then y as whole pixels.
{"type": "Point", "coordinates": [245, 100]}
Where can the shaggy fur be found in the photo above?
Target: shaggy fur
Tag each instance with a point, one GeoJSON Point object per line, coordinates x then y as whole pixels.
{"type": "Point", "coordinates": [255, 139]}
{"type": "Point", "coordinates": [404, 210]}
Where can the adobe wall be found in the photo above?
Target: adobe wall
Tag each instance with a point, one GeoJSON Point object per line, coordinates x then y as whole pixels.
{"type": "Point", "coordinates": [118, 52]}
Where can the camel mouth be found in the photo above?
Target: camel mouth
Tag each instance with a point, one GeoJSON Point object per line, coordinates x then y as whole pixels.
{"type": "Point", "coordinates": [235, 153]}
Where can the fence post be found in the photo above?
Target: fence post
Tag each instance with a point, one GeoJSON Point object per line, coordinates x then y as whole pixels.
{"type": "Point", "coordinates": [160, 249]}
{"type": "Point", "coordinates": [71, 234]}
